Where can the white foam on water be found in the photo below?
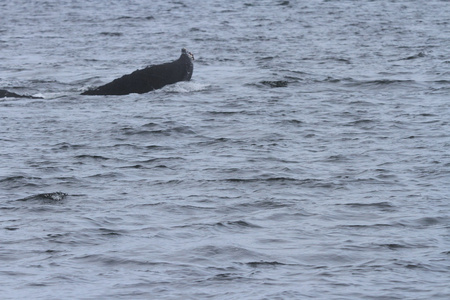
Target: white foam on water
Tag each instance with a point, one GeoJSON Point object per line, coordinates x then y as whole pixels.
{"type": "Point", "coordinates": [184, 87]}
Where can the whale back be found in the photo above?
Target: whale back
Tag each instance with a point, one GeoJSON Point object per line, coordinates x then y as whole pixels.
{"type": "Point", "coordinates": [150, 78]}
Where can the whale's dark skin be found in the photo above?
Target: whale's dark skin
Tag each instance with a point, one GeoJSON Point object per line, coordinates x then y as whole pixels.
{"type": "Point", "coordinates": [6, 94]}
{"type": "Point", "coordinates": [149, 79]}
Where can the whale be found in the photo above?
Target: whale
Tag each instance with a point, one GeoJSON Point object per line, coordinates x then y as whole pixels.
{"type": "Point", "coordinates": [150, 78]}
{"type": "Point", "coordinates": [7, 94]}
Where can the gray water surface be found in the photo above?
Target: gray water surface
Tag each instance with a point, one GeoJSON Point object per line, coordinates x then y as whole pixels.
{"type": "Point", "coordinates": [308, 158]}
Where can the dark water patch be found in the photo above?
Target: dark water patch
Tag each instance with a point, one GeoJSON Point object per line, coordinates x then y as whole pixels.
{"type": "Point", "coordinates": [343, 60]}
{"type": "Point", "coordinates": [58, 237]}
{"type": "Point", "coordinates": [418, 55]}
{"type": "Point", "coordinates": [293, 122]}
{"type": "Point", "coordinates": [151, 125]}
{"type": "Point", "coordinates": [234, 252]}
{"type": "Point", "coordinates": [264, 204]}
{"type": "Point", "coordinates": [197, 29]}
{"type": "Point", "coordinates": [286, 215]}
{"type": "Point", "coordinates": [432, 221]}
{"type": "Point", "coordinates": [158, 147]}
{"type": "Point", "coordinates": [110, 261]}
{"type": "Point", "coordinates": [159, 160]}
{"type": "Point", "coordinates": [125, 18]}
{"type": "Point", "coordinates": [263, 264]}
{"type": "Point", "coordinates": [381, 205]}
{"type": "Point", "coordinates": [379, 83]}
{"type": "Point", "coordinates": [266, 58]}
{"type": "Point", "coordinates": [225, 112]}
{"type": "Point", "coordinates": [396, 246]}
{"type": "Point", "coordinates": [229, 277]}
{"type": "Point", "coordinates": [442, 81]}
{"type": "Point", "coordinates": [428, 222]}
{"type": "Point", "coordinates": [275, 83]}
{"type": "Point", "coordinates": [373, 181]}
{"type": "Point", "coordinates": [75, 238]}
{"type": "Point", "coordinates": [67, 146]}
{"type": "Point", "coordinates": [107, 175]}
{"type": "Point", "coordinates": [110, 232]}
{"type": "Point", "coordinates": [89, 157]}
{"type": "Point", "coordinates": [361, 103]}
{"type": "Point", "coordinates": [190, 210]}
{"type": "Point", "coordinates": [164, 132]}
{"type": "Point", "coordinates": [337, 158]}
{"type": "Point", "coordinates": [418, 266]}
{"type": "Point", "coordinates": [387, 177]}
{"type": "Point", "coordinates": [311, 183]}
{"type": "Point", "coordinates": [11, 228]}
{"type": "Point", "coordinates": [376, 226]}
{"type": "Point", "coordinates": [131, 132]}
{"type": "Point", "coordinates": [134, 167]}
{"type": "Point", "coordinates": [113, 34]}
{"type": "Point", "coordinates": [238, 224]}
{"type": "Point", "coordinates": [128, 146]}
{"type": "Point", "coordinates": [364, 123]}
{"type": "Point", "coordinates": [216, 141]}
{"type": "Point", "coordinates": [283, 3]}
{"type": "Point", "coordinates": [172, 182]}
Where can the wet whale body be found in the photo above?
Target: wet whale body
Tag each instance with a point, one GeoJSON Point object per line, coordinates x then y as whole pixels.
{"type": "Point", "coordinates": [7, 94]}
{"type": "Point", "coordinates": [150, 78]}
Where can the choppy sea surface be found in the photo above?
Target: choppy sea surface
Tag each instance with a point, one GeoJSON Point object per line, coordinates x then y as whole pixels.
{"type": "Point", "coordinates": [308, 158]}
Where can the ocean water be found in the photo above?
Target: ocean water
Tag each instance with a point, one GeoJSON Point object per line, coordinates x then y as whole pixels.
{"type": "Point", "coordinates": [308, 158]}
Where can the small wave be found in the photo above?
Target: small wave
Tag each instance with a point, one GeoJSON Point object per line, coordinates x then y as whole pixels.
{"type": "Point", "coordinates": [379, 82]}
{"type": "Point", "coordinates": [361, 122]}
{"type": "Point", "coordinates": [225, 112]}
{"type": "Point", "coordinates": [166, 132]}
{"type": "Point", "coordinates": [12, 178]}
{"type": "Point", "coordinates": [336, 158]}
{"type": "Point", "coordinates": [247, 180]}
{"type": "Point", "coordinates": [19, 181]}
{"type": "Point", "coordinates": [227, 277]}
{"type": "Point", "coordinates": [294, 122]}
{"type": "Point", "coordinates": [88, 156]}
{"type": "Point", "coordinates": [264, 204]}
{"type": "Point", "coordinates": [106, 175]}
{"type": "Point", "coordinates": [284, 181]}
{"type": "Point", "coordinates": [134, 18]}
{"type": "Point", "coordinates": [66, 146]}
{"type": "Point", "coordinates": [47, 197]}
{"type": "Point", "coordinates": [39, 95]}
{"type": "Point", "coordinates": [215, 251]}
{"type": "Point", "coordinates": [133, 167]}
{"type": "Point", "coordinates": [443, 81]}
